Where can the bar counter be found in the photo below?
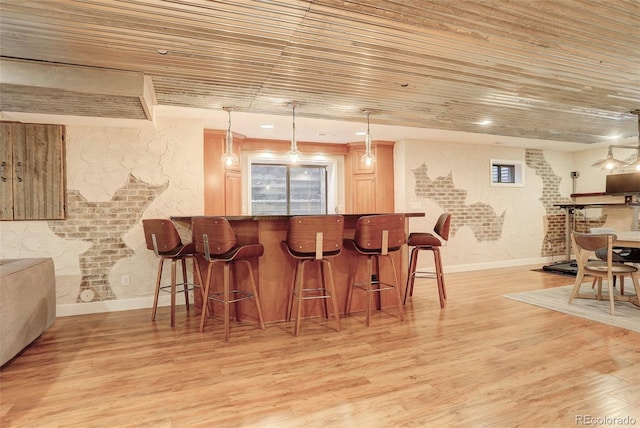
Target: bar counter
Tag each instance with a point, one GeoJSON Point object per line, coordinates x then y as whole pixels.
{"type": "Point", "coordinates": [274, 270]}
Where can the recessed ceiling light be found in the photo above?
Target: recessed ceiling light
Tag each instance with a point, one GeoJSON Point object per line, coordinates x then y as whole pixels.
{"type": "Point", "coordinates": [162, 51]}
{"type": "Point", "coordinates": [361, 133]}
{"type": "Point", "coordinates": [266, 126]}
{"type": "Point", "coordinates": [483, 122]}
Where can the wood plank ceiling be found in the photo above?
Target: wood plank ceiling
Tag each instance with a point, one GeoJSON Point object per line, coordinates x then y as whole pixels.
{"type": "Point", "coordinates": [563, 70]}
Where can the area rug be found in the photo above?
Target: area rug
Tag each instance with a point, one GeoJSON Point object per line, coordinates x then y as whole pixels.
{"type": "Point", "coordinates": [627, 315]}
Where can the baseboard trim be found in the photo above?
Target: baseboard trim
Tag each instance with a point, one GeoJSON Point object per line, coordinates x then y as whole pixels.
{"type": "Point", "coordinates": [72, 309]}
{"type": "Point", "coordinates": [164, 300]}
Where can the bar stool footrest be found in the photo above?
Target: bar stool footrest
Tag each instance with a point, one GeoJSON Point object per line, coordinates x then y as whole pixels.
{"type": "Point", "coordinates": [244, 296]}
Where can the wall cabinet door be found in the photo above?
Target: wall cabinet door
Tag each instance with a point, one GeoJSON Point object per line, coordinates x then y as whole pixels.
{"type": "Point", "coordinates": [233, 193]}
{"type": "Point", "coordinates": [364, 190]}
{"type": "Point", "coordinates": [369, 189]}
{"type": "Point", "coordinates": [32, 164]}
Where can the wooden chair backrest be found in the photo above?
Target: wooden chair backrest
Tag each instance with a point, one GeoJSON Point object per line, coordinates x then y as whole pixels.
{"type": "Point", "coordinates": [303, 234]}
{"type": "Point", "coordinates": [217, 232]}
{"type": "Point", "coordinates": [373, 230]}
{"type": "Point", "coordinates": [592, 241]}
{"type": "Point", "coordinates": [443, 225]}
{"type": "Point", "coordinates": [587, 243]}
{"type": "Point", "coordinates": [165, 232]}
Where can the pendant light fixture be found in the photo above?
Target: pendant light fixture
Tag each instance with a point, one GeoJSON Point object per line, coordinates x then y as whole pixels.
{"type": "Point", "coordinates": [368, 158]}
{"type": "Point", "coordinates": [636, 164]}
{"type": "Point", "coordinates": [229, 158]}
{"type": "Point", "coordinates": [294, 154]}
{"type": "Point", "coordinates": [611, 163]}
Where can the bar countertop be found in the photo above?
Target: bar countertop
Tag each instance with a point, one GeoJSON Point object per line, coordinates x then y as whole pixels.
{"type": "Point", "coordinates": [280, 216]}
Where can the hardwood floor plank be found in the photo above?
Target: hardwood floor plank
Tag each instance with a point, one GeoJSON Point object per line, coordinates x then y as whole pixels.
{"type": "Point", "coordinates": [483, 361]}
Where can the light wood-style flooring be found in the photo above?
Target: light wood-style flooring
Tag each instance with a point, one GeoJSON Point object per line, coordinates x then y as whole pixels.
{"type": "Point", "coordinates": [483, 361]}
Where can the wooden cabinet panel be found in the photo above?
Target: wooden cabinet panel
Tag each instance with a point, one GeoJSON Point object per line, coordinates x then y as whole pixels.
{"type": "Point", "coordinates": [233, 193]}
{"type": "Point", "coordinates": [219, 198]}
{"type": "Point", "coordinates": [364, 190]}
{"type": "Point", "coordinates": [34, 185]}
{"type": "Point", "coordinates": [370, 189]}
{"type": "Point", "coordinates": [6, 172]}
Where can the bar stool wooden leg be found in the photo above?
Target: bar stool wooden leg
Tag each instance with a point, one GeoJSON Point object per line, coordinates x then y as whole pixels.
{"type": "Point", "coordinates": [397, 288]}
{"type": "Point", "coordinates": [225, 296]}
{"type": "Point", "coordinates": [299, 280]}
{"type": "Point", "coordinates": [369, 288]}
{"type": "Point", "coordinates": [332, 292]}
{"type": "Point", "coordinates": [351, 281]}
{"type": "Point", "coordinates": [173, 292]}
{"type": "Point", "coordinates": [205, 299]}
{"type": "Point", "coordinates": [439, 276]}
{"type": "Point", "coordinates": [256, 297]}
{"type": "Point", "coordinates": [184, 283]}
{"type": "Point", "coordinates": [292, 294]}
{"type": "Point", "coordinates": [412, 273]}
{"type": "Point", "coordinates": [157, 292]}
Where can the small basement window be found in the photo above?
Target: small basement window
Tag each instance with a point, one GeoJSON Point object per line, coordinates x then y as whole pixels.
{"type": "Point", "coordinates": [507, 173]}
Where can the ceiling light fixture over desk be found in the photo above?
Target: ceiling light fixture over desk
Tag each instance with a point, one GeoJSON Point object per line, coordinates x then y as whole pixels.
{"type": "Point", "coordinates": [611, 163]}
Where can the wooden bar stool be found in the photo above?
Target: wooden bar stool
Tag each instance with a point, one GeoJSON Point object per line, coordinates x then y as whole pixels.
{"type": "Point", "coordinates": [313, 239]}
{"type": "Point", "coordinates": [429, 242]}
{"type": "Point", "coordinates": [376, 238]}
{"type": "Point", "coordinates": [162, 237]}
{"type": "Point", "coordinates": [215, 240]}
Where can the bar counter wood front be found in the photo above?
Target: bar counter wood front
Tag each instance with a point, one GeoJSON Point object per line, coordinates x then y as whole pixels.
{"type": "Point", "coordinates": [274, 270]}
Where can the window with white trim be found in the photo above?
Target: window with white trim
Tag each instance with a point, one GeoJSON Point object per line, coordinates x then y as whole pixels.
{"type": "Point", "coordinates": [507, 173]}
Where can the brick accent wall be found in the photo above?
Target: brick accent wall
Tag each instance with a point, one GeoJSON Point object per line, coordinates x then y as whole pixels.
{"type": "Point", "coordinates": [480, 217]}
{"type": "Point", "coordinates": [104, 224]}
{"type": "Point", "coordinates": [554, 241]}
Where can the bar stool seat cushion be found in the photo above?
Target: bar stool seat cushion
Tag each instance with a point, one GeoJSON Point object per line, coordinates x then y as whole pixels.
{"type": "Point", "coordinates": [423, 240]}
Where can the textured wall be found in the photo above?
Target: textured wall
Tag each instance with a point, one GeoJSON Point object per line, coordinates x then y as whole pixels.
{"type": "Point", "coordinates": [115, 176]}
{"type": "Point", "coordinates": [489, 223]}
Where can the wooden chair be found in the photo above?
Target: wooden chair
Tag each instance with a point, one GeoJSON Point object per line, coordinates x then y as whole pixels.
{"type": "Point", "coordinates": [313, 240]}
{"type": "Point", "coordinates": [429, 242]}
{"type": "Point", "coordinates": [162, 237]}
{"type": "Point", "coordinates": [585, 245]}
{"type": "Point", "coordinates": [215, 240]}
{"type": "Point", "coordinates": [376, 238]}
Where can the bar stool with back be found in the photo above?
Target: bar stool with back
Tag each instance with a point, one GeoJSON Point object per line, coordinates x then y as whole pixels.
{"type": "Point", "coordinates": [313, 239]}
{"type": "Point", "coordinates": [429, 242]}
{"type": "Point", "coordinates": [377, 237]}
{"type": "Point", "coordinates": [216, 241]}
{"type": "Point", "coordinates": [163, 238]}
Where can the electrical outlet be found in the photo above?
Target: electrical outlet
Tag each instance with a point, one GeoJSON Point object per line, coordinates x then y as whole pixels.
{"type": "Point", "coordinates": [124, 280]}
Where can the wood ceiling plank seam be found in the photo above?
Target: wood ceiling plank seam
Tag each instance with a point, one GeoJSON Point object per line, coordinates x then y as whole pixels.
{"type": "Point", "coordinates": [568, 36]}
{"type": "Point", "coordinates": [396, 61]}
{"type": "Point", "coordinates": [523, 52]}
{"type": "Point", "coordinates": [434, 74]}
{"type": "Point", "coordinates": [491, 16]}
{"type": "Point", "coordinates": [135, 25]}
{"type": "Point", "coordinates": [101, 31]}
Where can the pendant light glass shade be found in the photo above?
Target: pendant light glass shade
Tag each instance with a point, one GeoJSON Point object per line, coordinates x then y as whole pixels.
{"type": "Point", "coordinates": [229, 158]}
{"type": "Point", "coordinates": [294, 154]}
{"type": "Point", "coordinates": [368, 158]}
